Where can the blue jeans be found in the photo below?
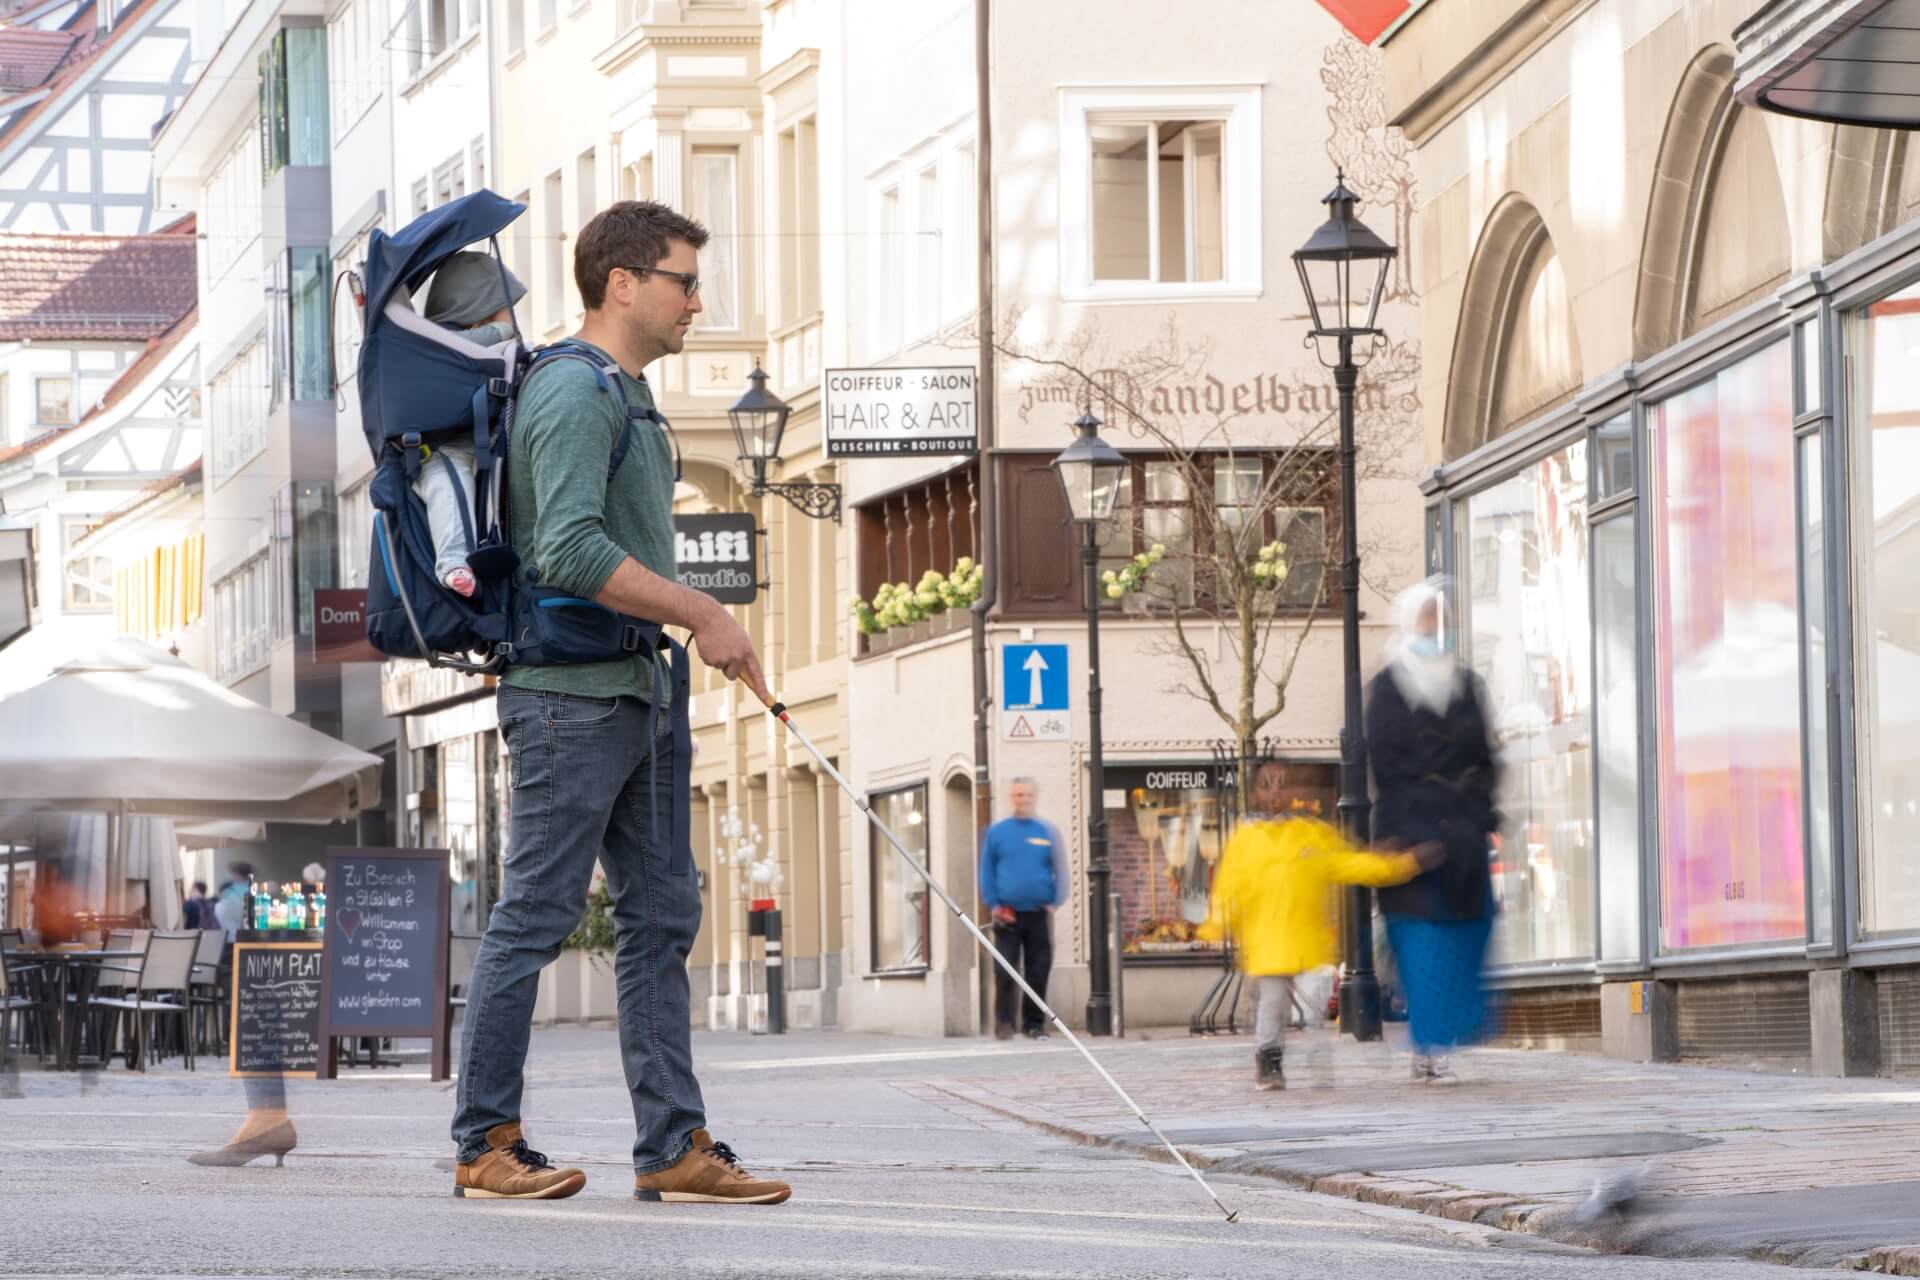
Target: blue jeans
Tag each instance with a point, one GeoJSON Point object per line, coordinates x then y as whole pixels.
{"type": "Point", "coordinates": [583, 787]}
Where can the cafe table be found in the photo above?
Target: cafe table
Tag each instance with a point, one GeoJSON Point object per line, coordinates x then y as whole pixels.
{"type": "Point", "coordinates": [68, 987]}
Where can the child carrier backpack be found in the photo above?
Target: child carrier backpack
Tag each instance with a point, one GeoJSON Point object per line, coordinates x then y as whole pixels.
{"type": "Point", "coordinates": [423, 386]}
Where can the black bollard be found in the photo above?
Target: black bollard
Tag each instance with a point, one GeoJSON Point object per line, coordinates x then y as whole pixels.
{"type": "Point", "coordinates": [766, 923]}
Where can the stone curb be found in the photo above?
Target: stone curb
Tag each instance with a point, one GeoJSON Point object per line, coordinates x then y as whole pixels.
{"type": "Point", "coordinates": [1436, 1199]}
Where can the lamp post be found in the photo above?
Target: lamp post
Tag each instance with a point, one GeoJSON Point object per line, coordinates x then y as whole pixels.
{"type": "Point", "coordinates": [759, 421]}
{"type": "Point", "coordinates": [1344, 310]}
{"type": "Point", "coordinates": [1090, 471]}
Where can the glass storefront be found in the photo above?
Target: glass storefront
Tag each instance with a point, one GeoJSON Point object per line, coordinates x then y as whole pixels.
{"type": "Point", "coordinates": [1726, 629]}
{"type": "Point", "coordinates": [1884, 342]}
{"type": "Point", "coordinates": [1616, 714]}
{"type": "Point", "coordinates": [1525, 631]}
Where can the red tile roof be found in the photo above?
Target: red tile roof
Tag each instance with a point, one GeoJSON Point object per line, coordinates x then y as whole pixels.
{"type": "Point", "coordinates": [91, 43]}
{"type": "Point", "coordinates": [28, 57]}
{"type": "Point", "coordinates": [123, 386]}
{"type": "Point", "coordinates": [88, 287]}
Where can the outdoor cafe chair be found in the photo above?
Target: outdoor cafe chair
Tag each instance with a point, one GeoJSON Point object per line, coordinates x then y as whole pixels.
{"type": "Point", "coordinates": [14, 1003]}
{"type": "Point", "coordinates": [208, 995]}
{"type": "Point", "coordinates": [161, 990]}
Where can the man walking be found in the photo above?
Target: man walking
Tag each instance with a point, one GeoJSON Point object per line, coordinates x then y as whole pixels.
{"type": "Point", "coordinates": [588, 781]}
{"type": "Point", "coordinates": [1023, 877]}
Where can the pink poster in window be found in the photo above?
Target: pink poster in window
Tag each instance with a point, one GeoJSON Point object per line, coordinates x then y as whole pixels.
{"type": "Point", "coordinates": [1726, 632]}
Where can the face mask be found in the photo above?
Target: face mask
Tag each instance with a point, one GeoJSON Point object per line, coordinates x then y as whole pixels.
{"type": "Point", "coordinates": [1425, 646]}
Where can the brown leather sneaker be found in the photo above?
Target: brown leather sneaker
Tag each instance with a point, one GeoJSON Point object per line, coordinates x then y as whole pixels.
{"type": "Point", "coordinates": [511, 1170]}
{"type": "Point", "coordinates": [709, 1174]}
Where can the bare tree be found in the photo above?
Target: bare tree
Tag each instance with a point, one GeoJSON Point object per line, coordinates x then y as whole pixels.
{"type": "Point", "coordinates": [1375, 157]}
{"type": "Point", "coordinates": [1236, 543]}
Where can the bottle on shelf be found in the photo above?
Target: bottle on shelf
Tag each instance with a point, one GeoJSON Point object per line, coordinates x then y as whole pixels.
{"type": "Point", "coordinates": [319, 909]}
{"type": "Point", "coordinates": [276, 913]}
{"type": "Point", "coordinates": [296, 908]}
{"type": "Point", "coordinates": [259, 903]}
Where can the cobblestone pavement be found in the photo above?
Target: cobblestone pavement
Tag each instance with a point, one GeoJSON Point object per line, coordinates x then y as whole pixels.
{"type": "Point", "coordinates": [1782, 1167]}
{"type": "Point", "coordinates": [895, 1174]}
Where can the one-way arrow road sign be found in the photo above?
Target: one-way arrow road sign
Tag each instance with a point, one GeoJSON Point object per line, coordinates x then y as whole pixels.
{"type": "Point", "coordinates": [1034, 677]}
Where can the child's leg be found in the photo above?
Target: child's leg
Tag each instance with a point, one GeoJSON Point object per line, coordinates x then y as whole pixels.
{"type": "Point", "coordinates": [444, 494]}
{"type": "Point", "coordinates": [1275, 1003]}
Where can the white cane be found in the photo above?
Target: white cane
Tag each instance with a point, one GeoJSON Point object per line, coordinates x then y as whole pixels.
{"type": "Point", "coordinates": [778, 710]}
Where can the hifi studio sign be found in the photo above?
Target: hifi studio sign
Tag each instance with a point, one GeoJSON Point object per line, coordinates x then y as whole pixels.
{"type": "Point", "coordinates": [716, 554]}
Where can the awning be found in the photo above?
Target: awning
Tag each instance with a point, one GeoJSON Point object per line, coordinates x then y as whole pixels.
{"type": "Point", "coordinates": [1844, 61]}
{"type": "Point", "coordinates": [1366, 19]}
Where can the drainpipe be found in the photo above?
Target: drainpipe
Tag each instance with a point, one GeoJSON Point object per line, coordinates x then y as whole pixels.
{"type": "Point", "coordinates": [988, 507]}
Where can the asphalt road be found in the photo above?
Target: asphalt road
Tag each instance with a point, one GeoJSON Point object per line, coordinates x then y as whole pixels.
{"type": "Point", "coordinates": [889, 1181]}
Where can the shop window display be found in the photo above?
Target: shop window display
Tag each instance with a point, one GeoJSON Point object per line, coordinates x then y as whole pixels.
{"type": "Point", "coordinates": [1886, 498]}
{"type": "Point", "coordinates": [901, 923]}
{"type": "Point", "coordinates": [1165, 846]}
{"type": "Point", "coordinates": [1726, 629]}
{"type": "Point", "coordinates": [1526, 633]}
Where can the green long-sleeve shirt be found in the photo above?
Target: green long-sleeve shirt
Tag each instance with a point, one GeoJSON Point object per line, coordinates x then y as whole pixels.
{"type": "Point", "coordinates": [573, 523]}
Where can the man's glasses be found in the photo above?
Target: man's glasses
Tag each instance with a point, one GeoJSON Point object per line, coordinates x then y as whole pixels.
{"type": "Point", "coordinates": [689, 285]}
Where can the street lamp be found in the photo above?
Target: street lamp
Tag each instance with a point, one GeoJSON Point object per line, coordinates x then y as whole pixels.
{"type": "Point", "coordinates": [1343, 270]}
{"type": "Point", "coordinates": [759, 421]}
{"type": "Point", "coordinates": [1090, 472]}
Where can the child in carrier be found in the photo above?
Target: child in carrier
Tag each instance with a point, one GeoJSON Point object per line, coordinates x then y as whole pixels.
{"type": "Point", "coordinates": [1275, 894]}
{"type": "Point", "coordinates": [466, 297]}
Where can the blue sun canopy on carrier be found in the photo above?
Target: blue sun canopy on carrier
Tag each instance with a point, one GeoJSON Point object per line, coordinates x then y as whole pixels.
{"type": "Point", "coordinates": [414, 376]}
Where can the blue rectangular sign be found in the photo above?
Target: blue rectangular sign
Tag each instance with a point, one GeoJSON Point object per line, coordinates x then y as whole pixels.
{"type": "Point", "coordinates": [1033, 677]}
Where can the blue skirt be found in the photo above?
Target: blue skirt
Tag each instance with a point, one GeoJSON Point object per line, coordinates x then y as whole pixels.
{"type": "Point", "coordinates": [1440, 963]}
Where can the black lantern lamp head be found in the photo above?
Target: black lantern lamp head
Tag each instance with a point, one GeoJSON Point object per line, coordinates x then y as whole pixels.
{"type": "Point", "coordinates": [759, 421]}
{"type": "Point", "coordinates": [1343, 270]}
{"type": "Point", "coordinates": [1090, 471]}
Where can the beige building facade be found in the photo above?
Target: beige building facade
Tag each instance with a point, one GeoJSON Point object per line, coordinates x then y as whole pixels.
{"type": "Point", "coordinates": [833, 149]}
{"type": "Point", "coordinates": [1666, 430]}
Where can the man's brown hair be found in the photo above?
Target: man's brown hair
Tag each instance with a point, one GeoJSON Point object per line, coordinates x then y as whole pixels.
{"type": "Point", "coordinates": [631, 234]}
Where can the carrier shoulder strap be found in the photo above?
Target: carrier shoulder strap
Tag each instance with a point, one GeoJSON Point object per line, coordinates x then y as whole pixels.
{"type": "Point", "coordinates": [606, 373]}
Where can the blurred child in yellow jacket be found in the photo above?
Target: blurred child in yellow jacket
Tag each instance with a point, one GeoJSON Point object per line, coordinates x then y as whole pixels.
{"type": "Point", "coordinates": [1276, 893]}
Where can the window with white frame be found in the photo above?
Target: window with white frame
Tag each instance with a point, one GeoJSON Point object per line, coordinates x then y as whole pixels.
{"type": "Point", "coordinates": [242, 621]}
{"type": "Point", "coordinates": [449, 180]}
{"type": "Point", "coordinates": [53, 402]}
{"type": "Point", "coordinates": [356, 533]}
{"type": "Point", "coordinates": [477, 164]}
{"type": "Point", "coordinates": [355, 40]}
{"type": "Point", "coordinates": [232, 201]}
{"type": "Point", "coordinates": [237, 410]}
{"type": "Point", "coordinates": [799, 245]}
{"type": "Point", "coordinates": [1160, 192]}
{"type": "Point", "coordinates": [586, 187]}
{"type": "Point", "coordinates": [716, 205]}
{"type": "Point", "coordinates": [924, 287]}
{"type": "Point", "coordinates": [962, 245]}
{"type": "Point", "coordinates": [89, 578]}
{"type": "Point", "coordinates": [553, 283]}
{"type": "Point", "coordinates": [520, 238]}
{"type": "Point", "coordinates": [549, 15]}
{"type": "Point", "coordinates": [516, 28]}
{"type": "Point", "coordinates": [884, 291]}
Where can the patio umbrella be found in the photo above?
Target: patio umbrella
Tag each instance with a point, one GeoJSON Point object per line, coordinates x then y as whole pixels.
{"type": "Point", "coordinates": [130, 730]}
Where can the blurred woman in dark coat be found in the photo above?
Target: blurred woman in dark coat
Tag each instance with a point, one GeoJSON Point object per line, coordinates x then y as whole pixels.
{"type": "Point", "coordinates": [1434, 775]}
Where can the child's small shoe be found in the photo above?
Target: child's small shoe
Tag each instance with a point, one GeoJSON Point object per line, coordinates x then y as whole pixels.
{"type": "Point", "coordinates": [462, 581]}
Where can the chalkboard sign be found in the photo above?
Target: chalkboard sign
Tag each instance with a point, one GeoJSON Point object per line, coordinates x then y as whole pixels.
{"type": "Point", "coordinates": [276, 1009]}
{"type": "Point", "coordinates": [386, 946]}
